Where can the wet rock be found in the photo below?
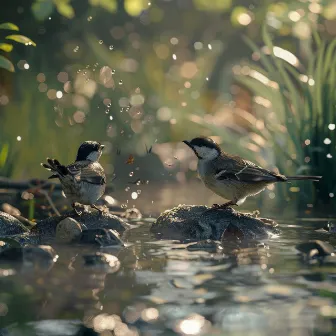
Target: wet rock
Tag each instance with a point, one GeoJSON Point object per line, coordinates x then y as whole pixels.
{"type": "Point", "coordinates": [315, 248]}
{"type": "Point", "coordinates": [102, 261]}
{"type": "Point", "coordinates": [68, 230]}
{"type": "Point", "coordinates": [6, 207]}
{"type": "Point", "coordinates": [32, 257]}
{"type": "Point", "coordinates": [9, 225]}
{"type": "Point", "coordinates": [88, 220]}
{"type": "Point", "coordinates": [132, 214]}
{"type": "Point", "coordinates": [191, 222]}
{"type": "Point", "coordinates": [101, 237]}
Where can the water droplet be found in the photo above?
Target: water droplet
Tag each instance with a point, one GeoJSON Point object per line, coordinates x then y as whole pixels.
{"type": "Point", "coordinates": [207, 78]}
{"type": "Point", "coordinates": [329, 156]}
{"type": "Point", "coordinates": [174, 56]}
{"type": "Point", "coordinates": [127, 188]}
{"type": "Point", "coordinates": [107, 111]}
{"type": "Point", "coordinates": [101, 42]}
{"type": "Point", "coordinates": [134, 195]}
{"type": "Point", "coordinates": [147, 182]}
{"type": "Point", "coordinates": [124, 206]}
{"type": "Point", "coordinates": [113, 71]}
{"type": "Point", "coordinates": [18, 138]}
{"type": "Point", "coordinates": [131, 174]}
{"type": "Point", "coordinates": [138, 183]}
{"type": "Point", "coordinates": [111, 118]}
{"type": "Point", "coordinates": [139, 192]}
{"type": "Point", "coordinates": [76, 49]}
{"type": "Point", "coordinates": [331, 195]}
{"type": "Point", "coordinates": [120, 82]}
{"type": "Point", "coordinates": [89, 18]}
{"type": "Point", "coordinates": [111, 47]}
{"type": "Point", "coordinates": [331, 127]}
{"type": "Point", "coordinates": [122, 110]}
{"type": "Point", "coordinates": [327, 141]}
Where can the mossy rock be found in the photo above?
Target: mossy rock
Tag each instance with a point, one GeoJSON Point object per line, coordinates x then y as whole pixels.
{"type": "Point", "coordinates": [9, 225]}
{"type": "Point", "coordinates": [46, 228]}
{"type": "Point", "coordinates": [193, 222]}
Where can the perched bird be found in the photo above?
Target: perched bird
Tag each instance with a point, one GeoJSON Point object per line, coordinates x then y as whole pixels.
{"type": "Point", "coordinates": [84, 180]}
{"type": "Point", "coordinates": [233, 177]}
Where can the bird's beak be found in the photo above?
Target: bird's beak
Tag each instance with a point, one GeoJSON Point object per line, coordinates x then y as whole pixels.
{"type": "Point", "coordinates": [187, 143]}
{"type": "Point", "coordinates": [102, 147]}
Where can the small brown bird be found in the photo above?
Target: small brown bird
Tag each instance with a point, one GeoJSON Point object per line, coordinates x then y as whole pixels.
{"type": "Point", "coordinates": [232, 177]}
{"type": "Point", "coordinates": [84, 180]}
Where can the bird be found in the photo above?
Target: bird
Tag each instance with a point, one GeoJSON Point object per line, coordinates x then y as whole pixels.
{"type": "Point", "coordinates": [83, 181]}
{"type": "Point", "coordinates": [232, 177]}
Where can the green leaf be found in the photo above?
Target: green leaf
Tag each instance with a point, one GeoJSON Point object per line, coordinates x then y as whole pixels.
{"type": "Point", "coordinates": [65, 9]}
{"type": "Point", "coordinates": [9, 26]}
{"type": "Point", "coordinates": [42, 9]}
{"type": "Point", "coordinates": [4, 154]}
{"type": "Point", "coordinates": [21, 39]}
{"type": "Point", "coordinates": [109, 5]}
{"type": "Point", "coordinates": [6, 47]}
{"type": "Point", "coordinates": [6, 64]}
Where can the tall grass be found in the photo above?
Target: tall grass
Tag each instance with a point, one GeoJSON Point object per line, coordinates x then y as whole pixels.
{"type": "Point", "coordinates": [294, 117]}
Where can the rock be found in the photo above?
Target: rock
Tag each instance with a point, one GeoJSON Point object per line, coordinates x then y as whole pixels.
{"type": "Point", "coordinates": [68, 230]}
{"type": "Point", "coordinates": [31, 257]}
{"type": "Point", "coordinates": [132, 213]}
{"type": "Point", "coordinates": [9, 225]}
{"type": "Point", "coordinates": [193, 222]}
{"type": "Point", "coordinates": [102, 261]}
{"type": "Point", "coordinates": [88, 220]}
{"type": "Point", "coordinates": [101, 237]}
{"type": "Point", "coordinates": [315, 248]}
{"type": "Point", "coordinates": [6, 207]}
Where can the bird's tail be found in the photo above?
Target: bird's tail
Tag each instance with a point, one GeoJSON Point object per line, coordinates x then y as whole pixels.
{"type": "Point", "coordinates": [54, 166]}
{"type": "Point", "coordinates": [303, 177]}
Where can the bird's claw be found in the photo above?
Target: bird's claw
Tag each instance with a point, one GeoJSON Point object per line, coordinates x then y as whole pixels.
{"type": "Point", "coordinates": [223, 206]}
{"type": "Point", "coordinates": [99, 210]}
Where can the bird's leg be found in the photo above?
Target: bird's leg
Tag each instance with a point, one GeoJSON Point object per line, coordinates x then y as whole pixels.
{"type": "Point", "coordinates": [95, 207]}
{"type": "Point", "coordinates": [223, 206]}
{"type": "Point", "coordinates": [76, 210]}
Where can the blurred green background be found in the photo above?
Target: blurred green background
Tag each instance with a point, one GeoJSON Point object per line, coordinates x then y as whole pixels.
{"type": "Point", "coordinates": [258, 76]}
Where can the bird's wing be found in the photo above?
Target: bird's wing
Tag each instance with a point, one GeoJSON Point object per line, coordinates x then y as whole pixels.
{"type": "Point", "coordinates": [90, 172]}
{"type": "Point", "coordinates": [236, 168]}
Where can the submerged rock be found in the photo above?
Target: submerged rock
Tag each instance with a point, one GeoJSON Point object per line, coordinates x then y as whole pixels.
{"type": "Point", "coordinates": [102, 261]}
{"type": "Point", "coordinates": [315, 248]}
{"type": "Point", "coordinates": [9, 225]}
{"type": "Point", "coordinates": [193, 222]}
{"type": "Point", "coordinates": [132, 213]}
{"type": "Point", "coordinates": [32, 257]}
{"type": "Point", "coordinates": [88, 220]}
{"type": "Point", "coordinates": [101, 237]}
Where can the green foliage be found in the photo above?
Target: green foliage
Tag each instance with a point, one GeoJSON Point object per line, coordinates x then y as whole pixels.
{"type": "Point", "coordinates": [42, 9]}
{"type": "Point", "coordinates": [6, 47]}
{"type": "Point", "coordinates": [297, 124]}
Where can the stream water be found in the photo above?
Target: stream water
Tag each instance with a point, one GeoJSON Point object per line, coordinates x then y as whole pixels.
{"type": "Point", "coordinates": [162, 288]}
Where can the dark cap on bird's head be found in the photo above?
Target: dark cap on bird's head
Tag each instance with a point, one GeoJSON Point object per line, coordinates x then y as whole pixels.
{"type": "Point", "coordinates": [89, 150]}
{"type": "Point", "coordinates": [204, 148]}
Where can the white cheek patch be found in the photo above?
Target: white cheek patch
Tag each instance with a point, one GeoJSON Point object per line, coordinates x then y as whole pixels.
{"type": "Point", "coordinates": [206, 153]}
{"type": "Point", "coordinates": [94, 156]}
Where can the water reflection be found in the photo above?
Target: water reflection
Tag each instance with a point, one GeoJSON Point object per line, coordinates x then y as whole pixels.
{"type": "Point", "coordinates": [169, 288]}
